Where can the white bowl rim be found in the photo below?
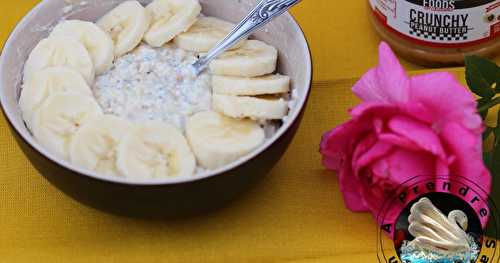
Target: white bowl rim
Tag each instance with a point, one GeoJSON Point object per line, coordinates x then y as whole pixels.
{"type": "Point", "coordinates": [292, 118]}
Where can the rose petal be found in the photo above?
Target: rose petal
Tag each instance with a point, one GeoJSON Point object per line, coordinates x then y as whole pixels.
{"type": "Point", "coordinates": [387, 83]}
{"type": "Point", "coordinates": [379, 150]}
{"type": "Point", "coordinates": [380, 171]}
{"type": "Point", "coordinates": [338, 142]}
{"type": "Point", "coordinates": [442, 167]}
{"type": "Point", "coordinates": [348, 185]}
{"type": "Point", "coordinates": [446, 98]}
{"type": "Point", "coordinates": [467, 150]}
{"type": "Point", "coordinates": [369, 89]}
{"type": "Point", "coordinates": [418, 133]}
{"type": "Point", "coordinates": [335, 144]}
{"type": "Point", "coordinates": [399, 141]}
{"type": "Point", "coordinates": [372, 110]}
{"type": "Point", "coordinates": [392, 75]}
{"type": "Point", "coordinates": [389, 173]}
{"type": "Point", "coordinates": [418, 111]}
{"type": "Point", "coordinates": [378, 125]}
{"type": "Point", "coordinates": [363, 145]}
{"type": "Point", "coordinates": [354, 202]}
{"type": "Point", "coordinates": [405, 164]}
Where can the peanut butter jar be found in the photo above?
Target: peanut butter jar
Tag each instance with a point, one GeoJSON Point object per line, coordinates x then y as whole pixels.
{"type": "Point", "coordinates": [438, 32]}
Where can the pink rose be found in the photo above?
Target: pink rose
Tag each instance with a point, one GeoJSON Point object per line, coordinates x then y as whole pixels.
{"type": "Point", "coordinates": [405, 127]}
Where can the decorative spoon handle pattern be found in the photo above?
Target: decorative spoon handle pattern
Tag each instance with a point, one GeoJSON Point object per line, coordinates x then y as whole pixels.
{"type": "Point", "coordinates": [262, 14]}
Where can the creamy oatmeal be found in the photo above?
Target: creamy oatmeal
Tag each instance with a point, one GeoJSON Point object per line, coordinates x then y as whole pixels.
{"type": "Point", "coordinates": [154, 84]}
{"type": "Point", "coordinates": [122, 94]}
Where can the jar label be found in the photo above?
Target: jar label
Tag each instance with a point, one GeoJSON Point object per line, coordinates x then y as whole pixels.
{"type": "Point", "coordinates": [458, 23]}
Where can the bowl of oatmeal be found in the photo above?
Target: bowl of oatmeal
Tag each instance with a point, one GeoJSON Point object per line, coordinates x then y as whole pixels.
{"type": "Point", "coordinates": [101, 98]}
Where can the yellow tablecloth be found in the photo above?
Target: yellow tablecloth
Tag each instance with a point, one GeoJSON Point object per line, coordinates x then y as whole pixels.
{"type": "Point", "coordinates": [296, 214]}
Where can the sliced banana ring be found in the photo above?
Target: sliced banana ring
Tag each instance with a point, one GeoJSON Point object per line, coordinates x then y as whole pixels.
{"type": "Point", "coordinates": [46, 82]}
{"type": "Point", "coordinates": [170, 18]}
{"type": "Point", "coordinates": [126, 24]}
{"type": "Point", "coordinates": [218, 140]}
{"type": "Point", "coordinates": [60, 51]}
{"type": "Point", "coordinates": [60, 117]}
{"type": "Point", "coordinates": [95, 145]}
{"type": "Point", "coordinates": [205, 34]}
{"type": "Point", "coordinates": [254, 58]}
{"type": "Point", "coordinates": [239, 86]}
{"type": "Point", "coordinates": [154, 151]}
{"type": "Point", "coordinates": [97, 42]}
{"type": "Point", "coordinates": [250, 107]}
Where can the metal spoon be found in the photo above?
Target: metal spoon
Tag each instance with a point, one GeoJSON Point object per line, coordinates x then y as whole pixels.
{"type": "Point", "coordinates": [262, 14]}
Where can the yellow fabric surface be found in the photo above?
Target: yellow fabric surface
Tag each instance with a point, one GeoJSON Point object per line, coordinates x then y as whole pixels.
{"type": "Point", "coordinates": [296, 214]}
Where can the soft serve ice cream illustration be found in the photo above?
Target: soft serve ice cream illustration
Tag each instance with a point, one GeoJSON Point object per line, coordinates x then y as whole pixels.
{"type": "Point", "coordinates": [437, 237]}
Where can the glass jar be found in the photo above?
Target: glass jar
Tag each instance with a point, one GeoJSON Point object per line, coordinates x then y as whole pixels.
{"type": "Point", "coordinates": [438, 32]}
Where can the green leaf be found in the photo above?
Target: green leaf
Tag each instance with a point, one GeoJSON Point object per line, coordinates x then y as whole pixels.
{"type": "Point", "coordinates": [488, 159]}
{"type": "Point", "coordinates": [495, 162]}
{"type": "Point", "coordinates": [497, 133]}
{"type": "Point", "coordinates": [488, 132]}
{"type": "Point", "coordinates": [488, 68]}
{"type": "Point", "coordinates": [481, 74]}
{"type": "Point", "coordinates": [482, 102]}
{"type": "Point", "coordinates": [482, 105]}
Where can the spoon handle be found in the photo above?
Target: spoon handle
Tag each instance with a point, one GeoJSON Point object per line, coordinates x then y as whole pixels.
{"type": "Point", "coordinates": [262, 14]}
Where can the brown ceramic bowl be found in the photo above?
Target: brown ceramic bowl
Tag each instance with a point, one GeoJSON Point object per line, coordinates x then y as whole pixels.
{"type": "Point", "coordinates": [172, 197]}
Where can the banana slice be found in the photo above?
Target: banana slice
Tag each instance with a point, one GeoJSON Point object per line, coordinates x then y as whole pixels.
{"type": "Point", "coordinates": [60, 117]}
{"type": "Point", "coordinates": [47, 82]}
{"type": "Point", "coordinates": [95, 145]}
{"type": "Point", "coordinates": [238, 86]}
{"type": "Point", "coordinates": [126, 24]}
{"type": "Point", "coordinates": [254, 58]}
{"type": "Point", "coordinates": [250, 107]}
{"type": "Point", "coordinates": [170, 18]}
{"type": "Point", "coordinates": [153, 151]}
{"type": "Point", "coordinates": [218, 140]}
{"type": "Point", "coordinates": [98, 43]}
{"type": "Point", "coordinates": [60, 51]}
{"type": "Point", "coordinates": [205, 34]}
